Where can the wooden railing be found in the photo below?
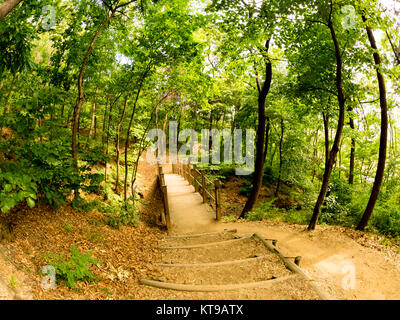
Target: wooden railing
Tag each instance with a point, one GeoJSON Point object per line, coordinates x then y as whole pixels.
{"type": "Point", "coordinates": [165, 216]}
{"type": "Point", "coordinates": [201, 185]}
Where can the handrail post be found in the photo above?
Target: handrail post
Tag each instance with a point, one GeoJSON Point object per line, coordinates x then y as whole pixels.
{"type": "Point", "coordinates": [162, 178]}
{"type": "Point", "coordinates": [165, 216]}
{"type": "Point", "coordinates": [166, 207]}
{"type": "Point", "coordinates": [218, 199]}
{"type": "Point", "coordinates": [196, 184]}
{"type": "Point", "coordinates": [204, 185]}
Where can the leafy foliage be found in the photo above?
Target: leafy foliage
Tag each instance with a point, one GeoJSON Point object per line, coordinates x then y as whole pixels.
{"type": "Point", "coordinates": [72, 267]}
{"type": "Point", "coordinates": [118, 214]}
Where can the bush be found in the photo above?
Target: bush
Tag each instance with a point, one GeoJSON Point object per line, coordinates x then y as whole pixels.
{"type": "Point", "coordinates": [72, 267]}
{"type": "Point", "coordinates": [16, 187]}
{"type": "Point", "coordinates": [264, 211]}
{"type": "Point", "coordinates": [333, 212]}
{"type": "Point", "coordinates": [267, 210]}
{"type": "Point", "coordinates": [81, 205]}
{"type": "Point", "coordinates": [386, 219]}
{"type": "Point", "coordinates": [269, 177]}
{"type": "Point", "coordinates": [245, 189]}
{"type": "Point", "coordinates": [337, 205]}
{"type": "Point", "coordinates": [227, 171]}
{"type": "Point", "coordinates": [40, 166]}
{"type": "Point", "coordinates": [117, 214]}
{"type": "Point", "coordinates": [95, 181]}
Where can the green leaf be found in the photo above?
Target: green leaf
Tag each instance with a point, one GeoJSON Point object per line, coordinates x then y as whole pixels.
{"type": "Point", "coordinates": [30, 202]}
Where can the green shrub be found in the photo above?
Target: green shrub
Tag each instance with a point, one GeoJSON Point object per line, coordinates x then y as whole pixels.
{"type": "Point", "coordinates": [81, 205]}
{"type": "Point", "coordinates": [16, 187]}
{"type": "Point", "coordinates": [386, 219]}
{"type": "Point", "coordinates": [245, 189]}
{"type": "Point", "coordinates": [117, 214]}
{"type": "Point", "coordinates": [267, 210]}
{"type": "Point", "coordinates": [72, 267]}
{"type": "Point", "coordinates": [68, 227]}
{"type": "Point", "coordinates": [337, 207]}
{"type": "Point", "coordinates": [264, 211]}
{"type": "Point", "coordinates": [333, 212]}
{"type": "Point", "coordinates": [40, 166]}
{"type": "Point", "coordinates": [269, 176]}
{"type": "Point", "coordinates": [95, 156]}
{"type": "Point", "coordinates": [95, 181]}
{"type": "Point", "coordinates": [227, 171]}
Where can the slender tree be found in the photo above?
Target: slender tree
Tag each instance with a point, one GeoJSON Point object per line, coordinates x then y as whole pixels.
{"type": "Point", "coordinates": [384, 131]}
{"type": "Point", "coordinates": [339, 131]}
{"type": "Point", "coordinates": [117, 142]}
{"type": "Point", "coordinates": [259, 165]}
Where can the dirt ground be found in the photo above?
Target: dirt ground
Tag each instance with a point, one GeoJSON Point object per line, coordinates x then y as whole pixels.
{"type": "Point", "coordinates": [126, 254]}
{"type": "Point", "coordinates": [346, 264]}
{"type": "Point", "coordinates": [333, 255]}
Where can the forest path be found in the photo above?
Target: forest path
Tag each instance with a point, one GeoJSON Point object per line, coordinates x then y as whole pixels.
{"type": "Point", "coordinates": [199, 260]}
{"type": "Point", "coordinates": [332, 256]}
{"type": "Point", "coordinates": [188, 212]}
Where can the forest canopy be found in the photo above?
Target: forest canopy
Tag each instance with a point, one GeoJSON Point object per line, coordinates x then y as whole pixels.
{"type": "Point", "coordinates": [82, 82]}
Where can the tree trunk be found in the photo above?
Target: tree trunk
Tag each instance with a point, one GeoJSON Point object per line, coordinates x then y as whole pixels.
{"type": "Point", "coordinates": [280, 158]}
{"type": "Point", "coordinates": [384, 134]}
{"type": "Point", "coordinates": [394, 49]}
{"type": "Point", "coordinates": [108, 136]}
{"type": "Point", "coordinates": [195, 110]}
{"type": "Point", "coordinates": [326, 131]}
{"type": "Point", "coordinates": [353, 149]}
{"type": "Point", "coordinates": [259, 165]}
{"type": "Point", "coordinates": [165, 127]}
{"type": "Point", "coordinates": [142, 147]}
{"type": "Point", "coordinates": [117, 143]}
{"type": "Point", "coordinates": [7, 6]}
{"type": "Point", "coordinates": [342, 110]}
{"type": "Point", "coordinates": [127, 142]}
{"type": "Point", "coordinates": [267, 138]}
{"type": "Point", "coordinates": [315, 155]}
{"type": "Point", "coordinates": [91, 131]}
{"type": "Point", "coordinates": [103, 133]}
{"type": "Point", "coordinates": [81, 94]}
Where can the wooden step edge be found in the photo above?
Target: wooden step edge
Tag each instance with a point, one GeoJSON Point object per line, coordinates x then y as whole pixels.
{"type": "Point", "coordinates": [212, 264]}
{"type": "Point", "coordinates": [294, 268]}
{"type": "Point", "coordinates": [213, 288]}
{"type": "Point", "coordinates": [201, 234]}
{"type": "Point", "coordinates": [203, 245]}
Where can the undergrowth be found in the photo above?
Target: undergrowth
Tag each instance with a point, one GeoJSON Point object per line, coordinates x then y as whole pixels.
{"type": "Point", "coordinates": [72, 267]}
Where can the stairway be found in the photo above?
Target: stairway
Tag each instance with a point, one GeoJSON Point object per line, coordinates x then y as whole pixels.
{"type": "Point", "coordinates": [227, 266]}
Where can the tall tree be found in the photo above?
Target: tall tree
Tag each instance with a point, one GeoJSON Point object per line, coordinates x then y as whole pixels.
{"type": "Point", "coordinates": [384, 130]}
{"type": "Point", "coordinates": [339, 130]}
